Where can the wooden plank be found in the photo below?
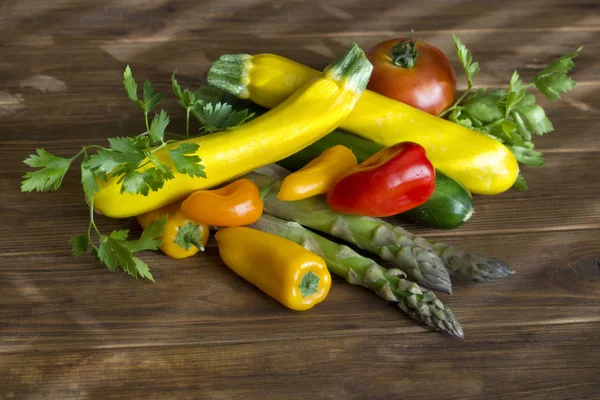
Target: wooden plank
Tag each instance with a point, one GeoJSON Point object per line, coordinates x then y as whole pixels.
{"type": "Point", "coordinates": [192, 54]}
{"type": "Point", "coordinates": [532, 364]}
{"type": "Point", "coordinates": [59, 302]}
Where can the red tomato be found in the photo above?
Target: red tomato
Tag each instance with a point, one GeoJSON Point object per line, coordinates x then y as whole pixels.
{"type": "Point", "coordinates": [429, 85]}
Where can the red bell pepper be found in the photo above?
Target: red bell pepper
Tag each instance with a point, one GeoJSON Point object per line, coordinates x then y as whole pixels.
{"type": "Point", "coordinates": [396, 179]}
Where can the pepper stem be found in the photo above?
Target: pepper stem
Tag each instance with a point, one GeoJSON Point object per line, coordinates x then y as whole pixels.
{"type": "Point", "coordinates": [405, 53]}
{"type": "Point", "coordinates": [309, 284]}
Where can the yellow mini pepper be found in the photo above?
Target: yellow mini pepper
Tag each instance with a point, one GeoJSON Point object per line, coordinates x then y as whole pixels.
{"type": "Point", "coordinates": [182, 237]}
{"type": "Point", "coordinates": [284, 270]}
{"type": "Point", "coordinates": [319, 175]}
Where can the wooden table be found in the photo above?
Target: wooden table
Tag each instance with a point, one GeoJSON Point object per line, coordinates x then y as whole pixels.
{"type": "Point", "coordinates": [70, 329]}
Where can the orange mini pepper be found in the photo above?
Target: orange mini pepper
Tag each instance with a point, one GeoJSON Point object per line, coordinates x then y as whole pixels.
{"type": "Point", "coordinates": [236, 204]}
{"type": "Point", "coordinates": [182, 237]}
{"type": "Point", "coordinates": [283, 269]}
{"type": "Point", "coordinates": [319, 175]}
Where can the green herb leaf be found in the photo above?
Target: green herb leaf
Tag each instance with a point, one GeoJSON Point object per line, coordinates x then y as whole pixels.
{"type": "Point", "coordinates": [186, 98]}
{"type": "Point", "coordinates": [50, 175]}
{"type": "Point", "coordinates": [553, 81]}
{"type": "Point", "coordinates": [309, 284]}
{"type": "Point", "coordinates": [187, 164]}
{"type": "Point", "coordinates": [520, 184]}
{"type": "Point", "coordinates": [220, 116]}
{"type": "Point", "coordinates": [515, 94]}
{"type": "Point", "coordinates": [158, 126]}
{"type": "Point", "coordinates": [151, 237]}
{"type": "Point", "coordinates": [536, 120]}
{"type": "Point", "coordinates": [80, 244]}
{"type": "Point", "coordinates": [130, 85]}
{"type": "Point", "coordinates": [151, 99]}
{"type": "Point", "coordinates": [512, 116]}
{"type": "Point", "coordinates": [466, 60]}
{"type": "Point", "coordinates": [152, 179]}
{"type": "Point", "coordinates": [484, 107]}
{"type": "Point", "coordinates": [114, 252]}
{"type": "Point", "coordinates": [88, 181]}
{"type": "Point", "coordinates": [189, 235]}
{"type": "Point", "coordinates": [527, 156]}
{"type": "Point", "coordinates": [123, 152]}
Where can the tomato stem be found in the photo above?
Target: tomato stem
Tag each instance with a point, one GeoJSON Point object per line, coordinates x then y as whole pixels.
{"type": "Point", "coordinates": [405, 53]}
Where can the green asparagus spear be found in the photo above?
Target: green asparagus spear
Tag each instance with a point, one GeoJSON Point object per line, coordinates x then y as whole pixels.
{"type": "Point", "coordinates": [420, 304]}
{"type": "Point", "coordinates": [420, 264]}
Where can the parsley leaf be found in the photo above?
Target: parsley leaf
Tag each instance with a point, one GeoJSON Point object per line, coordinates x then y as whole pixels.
{"type": "Point", "coordinates": [150, 98]}
{"type": "Point", "coordinates": [50, 175]}
{"type": "Point", "coordinates": [552, 81]}
{"type": "Point", "coordinates": [189, 235]}
{"type": "Point", "coordinates": [187, 164]}
{"type": "Point", "coordinates": [220, 116]}
{"type": "Point", "coordinates": [520, 184]}
{"type": "Point", "coordinates": [158, 126]}
{"type": "Point", "coordinates": [194, 101]}
{"type": "Point", "coordinates": [511, 116]}
{"type": "Point", "coordinates": [116, 251]}
{"type": "Point", "coordinates": [80, 244]}
{"type": "Point", "coordinates": [151, 237]}
{"type": "Point", "coordinates": [151, 179]}
{"type": "Point", "coordinates": [466, 60]}
{"type": "Point", "coordinates": [130, 85]}
{"type": "Point", "coordinates": [124, 152]}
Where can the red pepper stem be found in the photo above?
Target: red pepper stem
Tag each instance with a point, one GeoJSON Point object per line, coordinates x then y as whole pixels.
{"type": "Point", "coordinates": [405, 53]}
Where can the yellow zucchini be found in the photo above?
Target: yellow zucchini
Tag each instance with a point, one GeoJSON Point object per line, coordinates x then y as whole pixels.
{"type": "Point", "coordinates": [480, 163]}
{"type": "Point", "coordinates": [316, 108]}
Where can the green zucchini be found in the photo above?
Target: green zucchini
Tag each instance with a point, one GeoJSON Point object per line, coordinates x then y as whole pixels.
{"type": "Point", "coordinates": [450, 206]}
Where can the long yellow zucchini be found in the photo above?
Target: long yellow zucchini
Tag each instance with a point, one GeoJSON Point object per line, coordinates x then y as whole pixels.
{"type": "Point", "coordinates": [315, 108]}
{"type": "Point", "coordinates": [482, 164]}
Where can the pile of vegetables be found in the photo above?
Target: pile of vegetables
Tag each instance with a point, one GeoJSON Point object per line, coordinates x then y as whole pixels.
{"type": "Point", "coordinates": [351, 156]}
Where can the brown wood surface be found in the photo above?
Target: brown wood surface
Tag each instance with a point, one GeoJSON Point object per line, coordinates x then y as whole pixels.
{"type": "Point", "coordinates": [70, 329]}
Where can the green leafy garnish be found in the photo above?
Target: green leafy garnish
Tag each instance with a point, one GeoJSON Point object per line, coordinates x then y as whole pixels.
{"type": "Point", "coordinates": [220, 116]}
{"type": "Point", "coordinates": [552, 81]}
{"type": "Point", "coordinates": [138, 169]}
{"type": "Point", "coordinates": [511, 116]}
{"type": "Point", "coordinates": [186, 161]}
{"type": "Point", "coordinates": [466, 60]}
{"type": "Point", "coordinates": [189, 235]}
{"type": "Point", "coordinates": [151, 99]}
{"type": "Point", "coordinates": [207, 107]}
{"type": "Point", "coordinates": [51, 174]}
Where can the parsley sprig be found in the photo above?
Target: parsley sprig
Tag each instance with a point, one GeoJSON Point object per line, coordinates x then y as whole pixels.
{"type": "Point", "coordinates": [134, 162]}
{"type": "Point", "coordinates": [511, 116]}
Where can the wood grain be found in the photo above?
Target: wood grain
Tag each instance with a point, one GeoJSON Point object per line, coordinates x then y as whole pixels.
{"type": "Point", "coordinates": [70, 329]}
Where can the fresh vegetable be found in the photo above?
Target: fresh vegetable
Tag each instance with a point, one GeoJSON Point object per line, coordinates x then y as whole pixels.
{"type": "Point", "coordinates": [483, 165]}
{"type": "Point", "coordinates": [449, 207]}
{"type": "Point", "coordinates": [413, 72]}
{"type": "Point", "coordinates": [123, 159]}
{"type": "Point", "coordinates": [314, 110]}
{"type": "Point", "coordinates": [319, 175]}
{"type": "Point", "coordinates": [361, 148]}
{"type": "Point", "coordinates": [182, 237]}
{"type": "Point", "coordinates": [511, 116]}
{"type": "Point", "coordinates": [284, 270]}
{"type": "Point", "coordinates": [420, 304]}
{"type": "Point", "coordinates": [235, 204]}
{"type": "Point", "coordinates": [422, 260]}
{"type": "Point", "coordinates": [391, 181]}
{"type": "Point", "coordinates": [421, 265]}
